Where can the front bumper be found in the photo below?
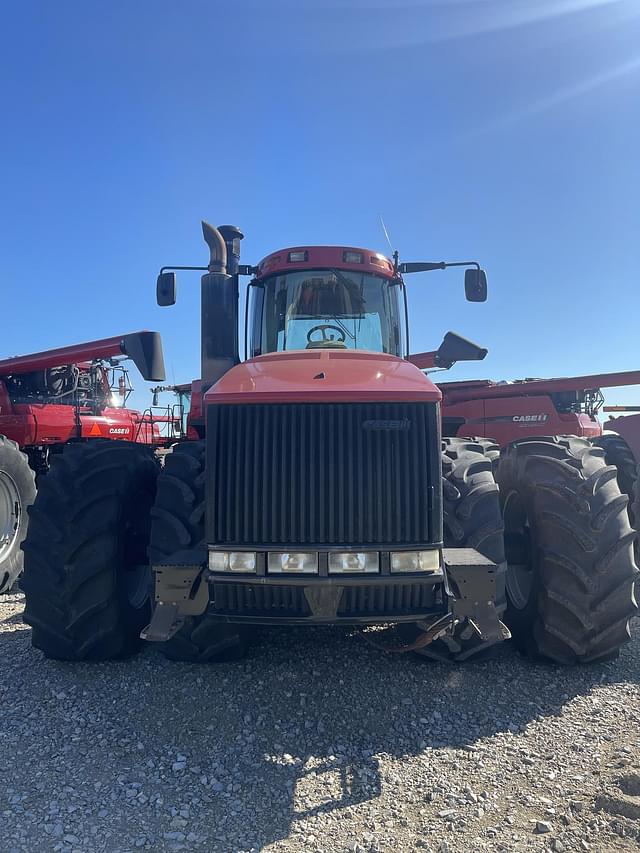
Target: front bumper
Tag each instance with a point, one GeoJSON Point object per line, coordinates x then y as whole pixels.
{"type": "Point", "coordinates": [470, 588]}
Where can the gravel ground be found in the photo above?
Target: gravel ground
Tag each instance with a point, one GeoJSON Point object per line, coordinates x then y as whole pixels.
{"type": "Point", "coordinates": [316, 742]}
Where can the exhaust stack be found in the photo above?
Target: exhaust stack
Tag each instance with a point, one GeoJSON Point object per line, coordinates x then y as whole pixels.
{"type": "Point", "coordinates": [219, 298]}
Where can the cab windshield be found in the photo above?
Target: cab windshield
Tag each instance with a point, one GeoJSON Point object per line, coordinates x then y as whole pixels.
{"type": "Point", "coordinates": [330, 309]}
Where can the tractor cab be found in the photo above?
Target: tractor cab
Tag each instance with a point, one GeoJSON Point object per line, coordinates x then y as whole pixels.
{"type": "Point", "coordinates": [340, 298]}
{"type": "Point", "coordinates": [312, 298]}
{"type": "Point", "coordinates": [326, 297]}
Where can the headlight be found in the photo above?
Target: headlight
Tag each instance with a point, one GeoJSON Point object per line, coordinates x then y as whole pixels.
{"type": "Point", "coordinates": [353, 563]}
{"type": "Point", "coordinates": [305, 564]}
{"type": "Point", "coordinates": [234, 561]}
{"type": "Point", "coordinates": [416, 561]}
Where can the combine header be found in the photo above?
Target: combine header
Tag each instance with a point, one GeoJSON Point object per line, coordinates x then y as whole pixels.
{"type": "Point", "coordinates": [317, 489]}
{"type": "Point", "coordinates": [49, 399]}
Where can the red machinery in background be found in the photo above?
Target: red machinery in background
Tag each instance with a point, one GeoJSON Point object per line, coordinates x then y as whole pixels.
{"type": "Point", "coordinates": [626, 427]}
{"type": "Point", "coordinates": [51, 398]}
{"type": "Point", "coordinates": [508, 411]}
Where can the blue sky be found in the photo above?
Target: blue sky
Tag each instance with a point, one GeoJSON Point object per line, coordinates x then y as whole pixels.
{"type": "Point", "coordinates": [502, 130]}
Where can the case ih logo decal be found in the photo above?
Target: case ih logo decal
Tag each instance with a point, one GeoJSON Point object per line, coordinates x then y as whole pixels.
{"type": "Point", "coordinates": [530, 419]}
{"type": "Point", "coordinates": [97, 430]}
{"type": "Point", "coordinates": [387, 426]}
{"type": "Point", "coordinates": [525, 420]}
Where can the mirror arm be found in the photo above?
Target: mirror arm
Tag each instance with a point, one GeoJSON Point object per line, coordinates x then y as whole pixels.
{"type": "Point", "coordinates": [247, 269]}
{"type": "Point", "coordinates": [442, 265]}
{"type": "Point", "coordinates": [171, 269]}
{"type": "Point", "coordinates": [464, 264]}
{"type": "Point", "coordinates": [243, 269]}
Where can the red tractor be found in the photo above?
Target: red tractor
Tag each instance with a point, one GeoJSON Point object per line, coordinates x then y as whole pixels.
{"type": "Point", "coordinates": [49, 399]}
{"type": "Point", "coordinates": [317, 489]}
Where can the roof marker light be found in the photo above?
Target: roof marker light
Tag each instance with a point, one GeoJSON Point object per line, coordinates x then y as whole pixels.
{"type": "Point", "coordinates": [353, 257]}
{"type": "Point", "coordinates": [297, 257]}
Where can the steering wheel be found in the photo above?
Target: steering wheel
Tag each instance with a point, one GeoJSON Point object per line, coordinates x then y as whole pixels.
{"type": "Point", "coordinates": [325, 339]}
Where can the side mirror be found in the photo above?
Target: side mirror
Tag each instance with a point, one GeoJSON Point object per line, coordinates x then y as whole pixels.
{"type": "Point", "coordinates": [456, 348]}
{"type": "Point", "coordinates": [475, 285]}
{"type": "Point", "coordinates": [166, 289]}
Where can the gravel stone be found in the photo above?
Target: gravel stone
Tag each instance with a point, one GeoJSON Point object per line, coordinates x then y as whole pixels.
{"type": "Point", "coordinates": [316, 743]}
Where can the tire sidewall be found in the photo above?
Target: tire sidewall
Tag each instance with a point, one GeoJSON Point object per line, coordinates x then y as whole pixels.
{"type": "Point", "coordinates": [15, 464]}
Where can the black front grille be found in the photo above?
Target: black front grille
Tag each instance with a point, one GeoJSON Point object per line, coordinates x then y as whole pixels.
{"type": "Point", "coordinates": [323, 474]}
{"type": "Point", "coordinates": [393, 598]}
{"type": "Point", "coordinates": [256, 600]}
{"type": "Point", "coordinates": [357, 601]}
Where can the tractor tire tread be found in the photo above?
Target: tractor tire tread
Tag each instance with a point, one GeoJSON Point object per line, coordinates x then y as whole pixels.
{"type": "Point", "coordinates": [586, 569]}
{"type": "Point", "coordinates": [472, 519]}
{"type": "Point", "coordinates": [73, 602]}
{"type": "Point", "coordinates": [178, 524]}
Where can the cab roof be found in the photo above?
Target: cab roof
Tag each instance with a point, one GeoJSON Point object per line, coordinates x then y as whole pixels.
{"type": "Point", "coordinates": [320, 257]}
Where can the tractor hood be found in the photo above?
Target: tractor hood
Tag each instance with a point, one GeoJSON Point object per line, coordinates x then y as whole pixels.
{"type": "Point", "coordinates": [323, 376]}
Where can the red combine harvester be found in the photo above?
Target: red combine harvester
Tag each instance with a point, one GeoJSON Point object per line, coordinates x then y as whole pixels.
{"type": "Point", "coordinates": [503, 412]}
{"type": "Point", "coordinates": [317, 489]}
{"type": "Point", "coordinates": [507, 411]}
{"type": "Point", "coordinates": [49, 399]}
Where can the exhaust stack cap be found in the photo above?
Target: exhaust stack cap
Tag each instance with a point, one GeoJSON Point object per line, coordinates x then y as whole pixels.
{"type": "Point", "coordinates": [217, 248]}
{"type": "Point", "coordinates": [232, 234]}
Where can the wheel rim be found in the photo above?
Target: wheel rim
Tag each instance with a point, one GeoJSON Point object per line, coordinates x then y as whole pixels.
{"type": "Point", "coordinates": [518, 551]}
{"type": "Point", "coordinates": [10, 513]}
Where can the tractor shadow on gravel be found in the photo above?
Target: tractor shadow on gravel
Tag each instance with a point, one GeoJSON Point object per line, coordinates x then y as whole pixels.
{"type": "Point", "coordinates": [308, 713]}
{"type": "Point", "coordinates": [312, 722]}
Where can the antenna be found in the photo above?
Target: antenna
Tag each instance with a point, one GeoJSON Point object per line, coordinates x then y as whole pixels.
{"type": "Point", "coordinates": [394, 252]}
{"type": "Point", "coordinates": [386, 233]}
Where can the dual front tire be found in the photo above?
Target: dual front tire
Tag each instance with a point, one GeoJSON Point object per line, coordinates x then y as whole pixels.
{"type": "Point", "coordinates": [553, 510]}
{"type": "Point", "coordinates": [102, 510]}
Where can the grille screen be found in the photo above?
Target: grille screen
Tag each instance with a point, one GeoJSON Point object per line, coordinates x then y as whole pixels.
{"type": "Point", "coordinates": [360, 601]}
{"type": "Point", "coordinates": [323, 474]}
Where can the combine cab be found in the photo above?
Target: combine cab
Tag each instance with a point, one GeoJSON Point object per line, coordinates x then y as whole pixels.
{"type": "Point", "coordinates": [50, 399]}
{"type": "Point", "coordinates": [318, 489]}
